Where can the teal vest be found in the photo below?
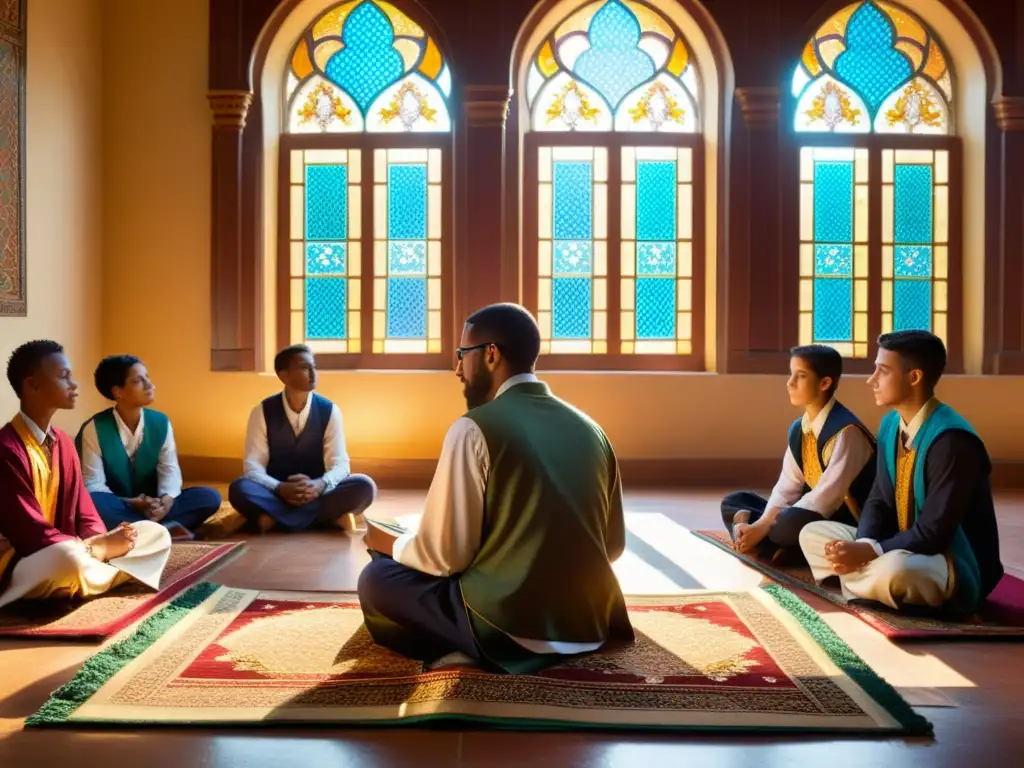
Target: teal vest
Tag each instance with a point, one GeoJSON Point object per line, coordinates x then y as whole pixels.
{"type": "Point", "coordinates": [543, 569]}
{"type": "Point", "coordinates": [125, 478]}
{"type": "Point", "coordinates": [961, 555]}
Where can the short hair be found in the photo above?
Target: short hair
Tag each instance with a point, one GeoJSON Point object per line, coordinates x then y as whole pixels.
{"type": "Point", "coordinates": [823, 360]}
{"type": "Point", "coordinates": [27, 359]}
{"type": "Point", "coordinates": [514, 331]}
{"type": "Point", "coordinates": [918, 350]}
{"type": "Point", "coordinates": [284, 358]}
{"type": "Point", "coordinates": [113, 372]}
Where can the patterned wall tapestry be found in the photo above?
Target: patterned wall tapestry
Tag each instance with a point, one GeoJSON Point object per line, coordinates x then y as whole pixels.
{"type": "Point", "coordinates": [12, 158]}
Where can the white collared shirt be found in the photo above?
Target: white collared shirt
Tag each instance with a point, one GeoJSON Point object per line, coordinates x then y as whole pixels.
{"type": "Point", "coordinates": [851, 451]}
{"type": "Point", "coordinates": [37, 433]}
{"type": "Point", "coordinates": [168, 472]}
{"type": "Point", "coordinates": [449, 534]}
{"type": "Point", "coordinates": [910, 430]}
{"type": "Point", "coordinates": [257, 446]}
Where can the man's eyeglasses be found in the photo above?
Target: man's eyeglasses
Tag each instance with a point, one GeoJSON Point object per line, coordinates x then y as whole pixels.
{"type": "Point", "coordinates": [461, 351]}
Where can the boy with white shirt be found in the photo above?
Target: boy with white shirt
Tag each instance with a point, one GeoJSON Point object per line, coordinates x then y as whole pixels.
{"type": "Point", "coordinates": [53, 544]}
{"type": "Point", "coordinates": [129, 459]}
{"type": "Point", "coordinates": [827, 470]}
{"type": "Point", "coordinates": [928, 533]}
{"type": "Point", "coordinates": [297, 470]}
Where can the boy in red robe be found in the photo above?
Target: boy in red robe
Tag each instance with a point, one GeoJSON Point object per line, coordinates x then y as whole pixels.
{"type": "Point", "coordinates": [52, 541]}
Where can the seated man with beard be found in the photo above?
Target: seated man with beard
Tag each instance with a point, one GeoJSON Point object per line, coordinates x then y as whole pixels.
{"type": "Point", "coordinates": [512, 563]}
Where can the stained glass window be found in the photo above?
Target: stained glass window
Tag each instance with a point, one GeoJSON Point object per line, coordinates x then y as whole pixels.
{"type": "Point", "coordinates": [834, 248]}
{"type": "Point", "coordinates": [364, 65]}
{"type": "Point", "coordinates": [657, 250]}
{"type": "Point", "coordinates": [623, 289]}
{"type": "Point", "coordinates": [572, 259]}
{"type": "Point", "coordinates": [874, 67]}
{"type": "Point", "coordinates": [915, 240]}
{"type": "Point", "coordinates": [613, 65]}
{"type": "Point", "coordinates": [407, 250]}
{"type": "Point", "coordinates": [325, 253]}
{"type": "Point", "coordinates": [366, 213]}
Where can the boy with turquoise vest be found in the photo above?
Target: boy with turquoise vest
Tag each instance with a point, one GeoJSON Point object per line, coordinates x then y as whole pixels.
{"type": "Point", "coordinates": [129, 459]}
{"type": "Point", "coordinates": [927, 534]}
{"type": "Point", "coordinates": [827, 470]}
{"type": "Point", "coordinates": [511, 566]}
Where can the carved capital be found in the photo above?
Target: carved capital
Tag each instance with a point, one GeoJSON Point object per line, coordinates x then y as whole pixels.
{"type": "Point", "coordinates": [759, 106]}
{"type": "Point", "coordinates": [1009, 113]}
{"type": "Point", "coordinates": [230, 108]}
{"type": "Point", "coordinates": [486, 105]}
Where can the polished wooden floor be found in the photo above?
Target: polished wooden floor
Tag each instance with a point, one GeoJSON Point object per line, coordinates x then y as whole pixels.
{"type": "Point", "coordinates": [984, 681]}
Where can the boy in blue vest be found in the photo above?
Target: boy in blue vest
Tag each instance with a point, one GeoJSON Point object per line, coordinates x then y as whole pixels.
{"type": "Point", "coordinates": [927, 534]}
{"type": "Point", "coordinates": [297, 471]}
{"type": "Point", "coordinates": [827, 470]}
{"type": "Point", "coordinates": [129, 459]}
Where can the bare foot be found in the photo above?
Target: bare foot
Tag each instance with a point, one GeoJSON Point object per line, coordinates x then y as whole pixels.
{"type": "Point", "coordinates": [743, 516]}
{"type": "Point", "coordinates": [266, 523]}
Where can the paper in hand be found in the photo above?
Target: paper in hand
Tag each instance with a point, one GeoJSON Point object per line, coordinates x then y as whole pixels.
{"type": "Point", "coordinates": [390, 527]}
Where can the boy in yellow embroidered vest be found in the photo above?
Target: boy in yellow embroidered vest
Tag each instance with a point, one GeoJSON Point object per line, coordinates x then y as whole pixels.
{"type": "Point", "coordinates": [827, 470]}
{"type": "Point", "coordinates": [927, 534]}
{"type": "Point", "coordinates": [52, 541]}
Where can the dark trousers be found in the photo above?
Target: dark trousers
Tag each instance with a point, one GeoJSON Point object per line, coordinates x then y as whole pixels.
{"type": "Point", "coordinates": [191, 509]}
{"type": "Point", "coordinates": [789, 523]}
{"type": "Point", "coordinates": [351, 496]}
{"type": "Point", "coordinates": [414, 614]}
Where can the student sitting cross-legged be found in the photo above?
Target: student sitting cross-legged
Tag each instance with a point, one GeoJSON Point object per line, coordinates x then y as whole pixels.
{"type": "Point", "coordinates": [827, 469]}
{"type": "Point", "coordinates": [297, 471]}
{"type": "Point", "coordinates": [53, 544]}
{"type": "Point", "coordinates": [129, 458]}
{"type": "Point", "coordinates": [927, 535]}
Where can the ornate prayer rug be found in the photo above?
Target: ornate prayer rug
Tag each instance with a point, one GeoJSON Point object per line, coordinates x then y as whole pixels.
{"type": "Point", "coordinates": [102, 616]}
{"type": "Point", "coordinates": [1002, 615]}
{"type": "Point", "coordinates": [743, 661]}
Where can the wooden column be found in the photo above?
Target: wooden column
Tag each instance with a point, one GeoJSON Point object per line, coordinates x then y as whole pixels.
{"type": "Point", "coordinates": [481, 202]}
{"type": "Point", "coordinates": [1008, 208]}
{"type": "Point", "coordinates": [232, 282]}
{"type": "Point", "coordinates": [761, 279]}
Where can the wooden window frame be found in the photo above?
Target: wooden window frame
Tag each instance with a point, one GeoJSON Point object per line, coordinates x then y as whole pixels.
{"type": "Point", "coordinates": [875, 143]}
{"type": "Point", "coordinates": [367, 143]}
{"type": "Point", "coordinates": [614, 142]}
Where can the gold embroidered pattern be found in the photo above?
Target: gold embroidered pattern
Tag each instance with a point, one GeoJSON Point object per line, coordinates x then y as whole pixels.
{"type": "Point", "coordinates": [811, 465]}
{"type": "Point", "coordinates": [904, 483]}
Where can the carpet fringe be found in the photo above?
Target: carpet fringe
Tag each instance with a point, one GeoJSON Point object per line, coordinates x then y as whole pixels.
{"type": "Point", "coordinates": [101, 667]}
{"type": "Point", "coordinates": [849, 662]}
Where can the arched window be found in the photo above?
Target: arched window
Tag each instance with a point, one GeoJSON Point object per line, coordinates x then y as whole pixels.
{"type": "Point", "coordinates": [879, 180]}
{"type": "Point", "coordinates": [613, 176]}
{"type": "Point", "coordinates": [365, 178]}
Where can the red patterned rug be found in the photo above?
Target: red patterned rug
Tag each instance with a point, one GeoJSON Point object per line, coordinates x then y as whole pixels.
{"type": "Point", "coordinates": [744, 661]}
{"type": "Point", "coordinates": [107, 614]}
{"type": "Point", "coordinates": [1002, 615]}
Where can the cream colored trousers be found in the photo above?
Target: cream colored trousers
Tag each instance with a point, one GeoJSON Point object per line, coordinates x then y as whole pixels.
{"type": "Point", "coordinates": [66, 570]}
{"type": "Point", "coordinates": [896, 578]}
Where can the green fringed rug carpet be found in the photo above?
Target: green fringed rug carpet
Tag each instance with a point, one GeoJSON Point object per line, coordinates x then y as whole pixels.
{"type": "Point", "coordinates": [726, 661]}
